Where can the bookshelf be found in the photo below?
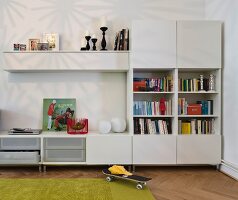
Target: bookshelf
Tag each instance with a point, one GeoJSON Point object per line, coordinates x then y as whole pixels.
{"type": "Point", "coordinates": [192, 41]}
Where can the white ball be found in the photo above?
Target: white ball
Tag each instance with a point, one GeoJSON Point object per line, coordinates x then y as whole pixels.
{"type": "Point", "coordinates": [118, 125]}
{"type": "Point", "coordinates": [104, 126]}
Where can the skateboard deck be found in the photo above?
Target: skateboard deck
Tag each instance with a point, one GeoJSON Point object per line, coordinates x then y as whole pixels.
{"type": "Point", "coordinates": [140, 180]}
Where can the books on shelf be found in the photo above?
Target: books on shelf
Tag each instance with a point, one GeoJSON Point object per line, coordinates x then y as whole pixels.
{"type": "Point", "coordinates": [122, 40]}
{"type": "Point", "coordinates": [206, 107]}
{"type": "Point", "coordinates": [164, 84]}
{"type": "Point", "coordinates": [151, 108]}
{"type": "Point", "coordinates": [192, 85]}
{"type": "Point", "coordinates": [196, 126]}
{"type": "Point", "coordinates": [151, 126]}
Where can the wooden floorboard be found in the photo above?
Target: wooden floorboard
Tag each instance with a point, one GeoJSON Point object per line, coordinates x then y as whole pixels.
{"type": "Point", "coordinates": [168, 183]}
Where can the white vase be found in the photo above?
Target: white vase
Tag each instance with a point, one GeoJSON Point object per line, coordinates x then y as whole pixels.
{"type": "Point", "coordinates": [104, 126]}
{"type": "Point", "coordinates": [118, 125]}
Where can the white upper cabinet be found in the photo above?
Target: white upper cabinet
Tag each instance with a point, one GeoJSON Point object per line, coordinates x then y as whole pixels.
{"type": "Point", "coordinates": [199, 44]}
{"type": "Point", "coordinates": [153, 44]}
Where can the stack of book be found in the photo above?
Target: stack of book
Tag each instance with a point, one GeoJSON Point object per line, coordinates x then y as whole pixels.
{"type": "Point", "coordinates": [164, 84]}
{"type": "Point", "coordinates": [150, 126]}
{"type": "Point", "coordinates": [206, 107]}
{"type": "Point", "coordinates": [196, 126]}
{"type": "Point", "coordinates": [192, 85]}
{"type": "Point", "coordinates": [122, 40]}
{"type": "Point", "coordinates": [151, 108]}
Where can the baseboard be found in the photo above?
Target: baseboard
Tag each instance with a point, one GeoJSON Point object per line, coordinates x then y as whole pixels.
{"type": "Point", "coordinates": [229, 169]}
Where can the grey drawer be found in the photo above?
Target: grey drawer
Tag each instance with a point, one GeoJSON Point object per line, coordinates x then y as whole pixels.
{"type": "Point", "coordinates": [64, 143]}
{"type": "Point", "coordinates": [19, 158]}
{"type": "Point", "coordinates": [20, 144]}
{"type": "Point", "coordinates": [65, 156]}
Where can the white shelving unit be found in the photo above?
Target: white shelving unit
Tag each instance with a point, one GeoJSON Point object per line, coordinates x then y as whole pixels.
{"type": "Point", "coordinates": [181, 49]}
{"type": "Point", "coordinates": [198, 49]}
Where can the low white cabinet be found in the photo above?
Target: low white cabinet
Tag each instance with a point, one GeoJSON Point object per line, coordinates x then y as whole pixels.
{"type": "Point", "coordinates": [199, 149]}
{"type": "Point", "coordinates": [109, 149]}
{"type": "Point", "coordinates": [154, 149]}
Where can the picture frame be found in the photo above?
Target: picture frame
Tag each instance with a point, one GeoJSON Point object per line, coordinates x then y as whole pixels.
{"type": "Point", "coordinates": [56, 113]}
{"type": "Point", "coordinates": [33, 44]}
{"type": "Point", "coordinates": [42, 46]}
{"type": "Point", "coordinates": [16, 47]}
{"type": "Point", "coordinates": [22, 47]}
{"type": "Point", "coordinates": [53, 40]}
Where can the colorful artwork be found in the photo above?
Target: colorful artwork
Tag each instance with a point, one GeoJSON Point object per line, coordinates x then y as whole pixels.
{"type": "Point", "coordinates": [56, 112]}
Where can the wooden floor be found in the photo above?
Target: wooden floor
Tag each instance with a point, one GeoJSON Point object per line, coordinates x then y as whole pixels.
{"type": "Point", "coordinates": [168, 183]}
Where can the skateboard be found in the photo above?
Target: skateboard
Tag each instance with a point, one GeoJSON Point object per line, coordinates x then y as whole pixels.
{"type": "Point", "coordinates": [140, 180]}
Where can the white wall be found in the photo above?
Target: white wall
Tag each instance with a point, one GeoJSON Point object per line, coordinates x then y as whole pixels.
{"type": "Point", "coordinates": [227, 11]}
{"type": "Point", "coordinates": [99, 95]}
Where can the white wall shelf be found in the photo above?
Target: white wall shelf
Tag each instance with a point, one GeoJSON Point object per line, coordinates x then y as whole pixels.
{"type": "Point", "coordinates": [153, 92]}
{"type": "Point", "coordinates": [60, 61]}
{"type": "Point", "coordinates": [198, 116]}
{"type": "Point", "coordinates": [154, 116]}
{"type": "Point", "coordinates": [200, 92]}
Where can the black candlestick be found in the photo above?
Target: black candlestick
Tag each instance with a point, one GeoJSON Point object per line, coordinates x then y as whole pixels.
{"type": "Point", "coordinates": [103, 43]}
{"type": "Point", "coordinates": [88, 39]}
{"type": "Point", "coordinates": [94, 40]}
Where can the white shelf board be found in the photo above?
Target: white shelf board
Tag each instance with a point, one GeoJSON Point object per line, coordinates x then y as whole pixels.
{"type": "Point", "coordinates": [153, 92]}
{"type": "Point", "coordinates": [199, 92]}
{"type": "Point", "coordinates": [61, 61]}
{"type": "Point", "coordinates": [201, 116]}
{"type": "Point", "coordinates": [157, 135]}
{"type": "Point", "coordinates": [154, 116]}
{"type": "Point", "coordinates": [63, 134]}
{"type": "Point", "coordinates": [67, 51]}
{"type": "Point", "coordinates": [199, 135]}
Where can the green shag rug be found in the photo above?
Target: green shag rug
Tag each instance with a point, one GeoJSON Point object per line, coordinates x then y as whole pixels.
{"type": "Point", "coordinates": [71, 189]}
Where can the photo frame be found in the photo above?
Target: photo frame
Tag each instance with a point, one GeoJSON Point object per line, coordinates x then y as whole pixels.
{"type": "Point", "coordinates": [52, 39]}
{"type": "Point", "coordinates": [56, 113]}
{"type": "Point", "coordinates": [33, 44]}
{"type": "Point", "coordinates": [22, 47]}
{"type": "Point", "coordinates": [42, 46]}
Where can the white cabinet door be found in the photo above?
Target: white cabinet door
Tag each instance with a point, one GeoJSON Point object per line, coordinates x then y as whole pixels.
{"type": "Point", "coordinates": [154, 149]}
{"type": "Point", "coordinates": [199, 149]}
{"type": "Point", "coordinates": [153, 44]}
{"type": "Point", "coordinates": [108, 149]}
{"type": "Point", "coordinates": [199, 44]}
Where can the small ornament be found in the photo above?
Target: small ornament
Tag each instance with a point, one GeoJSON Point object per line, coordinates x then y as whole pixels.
{"type": "Point", "coordinates": [211, 82]}
{"type": "Point", "coordinates": [162, 107]}
{"type": "Point", "coordinates": [94, 40]}
{"type": "Point", "coordinates": [201, 83]}
{"type": "Point", "coordinates": [118, 125]}
{"type": "Point", "coordinates": [104, 42]}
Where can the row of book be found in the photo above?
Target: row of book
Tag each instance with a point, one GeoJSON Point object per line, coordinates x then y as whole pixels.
{"type": "Point", "coordinates": [152, 108]}
{"type": "Point", "coordinates": [192, 85]}
{"type": "Point", "coordinates": [122, 40]}
{"type": "Point", "coordinates": [164, 84]}
{"type": "Point", "coordinates": [151, 126]}
{"type": "Point", "coordinates": [196, 126]}
{"type": "Point", "coordinates": [203, 107]}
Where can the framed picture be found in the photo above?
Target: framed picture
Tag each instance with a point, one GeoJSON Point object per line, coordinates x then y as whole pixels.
{"type": "Point", "coordinates": [43, 46]}
{"type": "Point", "coordinates": [16, 47]}
{"type": "Point", "coordinates": [22, 47]}
{"type": "Point", "coordinates": [33, 44]}
{"type": "Point", "coordinates": [56, 112]}
{"type": "Point", "coordinates": [53, 40]}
